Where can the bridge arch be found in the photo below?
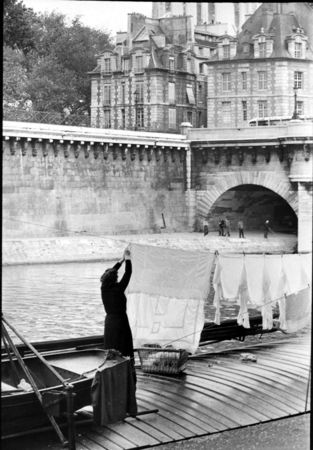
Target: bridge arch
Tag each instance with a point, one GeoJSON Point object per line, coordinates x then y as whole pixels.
{"type": "Point", "coordinates": [228, 180]}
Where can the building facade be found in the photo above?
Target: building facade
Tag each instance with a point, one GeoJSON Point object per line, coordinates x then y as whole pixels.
{"type": "Point", "coordinates": [153, 80]}
{"type": "Point", "coordinates": [231, 13]}
{"type": "Point", "coordinates": [266, 71]}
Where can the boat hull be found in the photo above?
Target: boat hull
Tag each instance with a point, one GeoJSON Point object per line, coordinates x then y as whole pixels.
{"type": "Point", "coordinates": [22, 411]}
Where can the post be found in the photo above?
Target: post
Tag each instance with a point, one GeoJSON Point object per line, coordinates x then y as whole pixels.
{"type": "Point", "coordinates": [295, 113]}
{"type": "Point", "coordinates": [136, 109]}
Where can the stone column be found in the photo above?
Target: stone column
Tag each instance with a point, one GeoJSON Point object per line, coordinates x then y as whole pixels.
{"type": "Point", "coordinates": [301, 173]}
{"type": "Point", "coordinates": [190, 194]}
{"type": "Point", "coordinates": [305, 199]}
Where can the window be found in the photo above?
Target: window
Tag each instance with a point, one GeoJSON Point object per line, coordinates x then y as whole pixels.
{"type": "Point", "coordinates": [123, 93]}
{"type": "Point", "coordinates": [298, 49]}
{"type": "Point", "coordinates": [244, 81]}
{"type": "Point", "coordinates": [201, 68]}
{"type": "Point", "coordinates": [226, 51]}
{"type": "Point", "coordinates": [139, 89]}
{"type": "Point", "coordinates": [298, 80]}
{"type": "Point", "coordinates": [200, 92]}
{"type": "Point", "coordinates": [171, 63]}
{"type": "Point", "coordinates": [226, 82]}
{"type": "Point", "coordinates": [190, 95]}
{"type": "Point", "coordinates": [246, 48]}
{"type": "Point", "coordinates": [299, 108]}
{"type": "Point", "coordinates": [139, 64]}
{"type": "Point", "coordinates": [123, 118]}
{"type": "Point", "coordinates": [107, 94]}
{"type": "Point", "coordinates": [171, 92]}
{"type": "Point", "coordinates": [244, 110]}
{"type": "Point", "coordinates": [262, 80]}
{"type": "Point", "coordinates": [226, 112]}
{"type": "Point", "coordinates": [172, 118]}
{"type": "Point", "coordinates": [107, 65]}
{"type": "Point", "coordinates": [140, 118]}
{"type": "Point", "coordinates": [262, 108]}
{"type": "Point", "coordinates": [262, 49]}
{"type": "Point", "coordinates": [189, 116]}
{"type": "Point", "coordinates": [200, 124]}
{"type": "Point", "coordinates": [188, 65]}
{"type": "Point", "coordinates": [125, 65]}
{"type": "Point", "coordinates": [107, 118]}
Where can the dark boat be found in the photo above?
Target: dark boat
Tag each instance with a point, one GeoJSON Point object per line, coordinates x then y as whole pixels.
{"type": "Point", "coordinates": [20, 407]}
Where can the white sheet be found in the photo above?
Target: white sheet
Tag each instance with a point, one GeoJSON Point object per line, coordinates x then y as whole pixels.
{"type": "Point", "coordinates": [166, 295]}
{"type": "Point", "coordinates": [298, 310]}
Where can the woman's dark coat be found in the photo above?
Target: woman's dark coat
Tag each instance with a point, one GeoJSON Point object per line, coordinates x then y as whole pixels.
{"type": "Point", "coordinates": [117, 332]}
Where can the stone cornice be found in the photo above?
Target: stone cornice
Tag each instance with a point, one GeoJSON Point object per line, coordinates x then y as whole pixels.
{"type": "Point", "coordinates": [97, 135]}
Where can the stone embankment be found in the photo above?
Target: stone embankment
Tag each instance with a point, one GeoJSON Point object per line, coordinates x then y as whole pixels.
{"type": "Point", "coordinates": [91, 248]}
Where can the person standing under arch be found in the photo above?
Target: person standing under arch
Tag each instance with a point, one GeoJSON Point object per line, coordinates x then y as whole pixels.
{"type": "Point", "coordinates": [241, 229]}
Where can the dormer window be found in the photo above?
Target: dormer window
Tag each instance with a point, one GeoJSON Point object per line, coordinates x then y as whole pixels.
{"type": "Point", "coordinates": [296, 44]}
{"type": "Point", "coordinates": [298, 49]}
{"type": "Point", "coordinates": [262, 49]}
{"type": "Point", "coordinates": [246, 48]}
{"type": "Point", "coordinates": [226, 51]}
{"type": "Point", "coordinates": [139, 64]}
{"type": "Point", "coordinates": [107, 65]}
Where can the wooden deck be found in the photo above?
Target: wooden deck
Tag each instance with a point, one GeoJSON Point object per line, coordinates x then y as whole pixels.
{"type": "Point", "coordinates": [217, 393]}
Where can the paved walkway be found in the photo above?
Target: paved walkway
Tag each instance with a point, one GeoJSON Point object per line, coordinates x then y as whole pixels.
{"type": "Point", "coordinates": [94, 248]}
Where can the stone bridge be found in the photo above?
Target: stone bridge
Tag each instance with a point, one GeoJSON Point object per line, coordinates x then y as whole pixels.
{"type": "Point", "coordinates": [59, 180]}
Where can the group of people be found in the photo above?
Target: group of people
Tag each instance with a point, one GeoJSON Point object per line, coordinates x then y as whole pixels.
{"type": "Point", "coordinates": [224, 228]}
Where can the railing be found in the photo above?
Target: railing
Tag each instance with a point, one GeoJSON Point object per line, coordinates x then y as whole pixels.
{"type": "Point", "coordinates": [54, 118]}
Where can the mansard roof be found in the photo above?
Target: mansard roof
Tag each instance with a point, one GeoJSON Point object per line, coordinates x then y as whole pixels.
{"type": "Point", "coordinates": [277, 21]}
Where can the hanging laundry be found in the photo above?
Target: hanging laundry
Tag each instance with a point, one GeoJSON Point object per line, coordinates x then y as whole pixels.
{"type": "Point", "coordinates": [244, 299]}
{"type": "Point", "coordinates": [306, 259]}
{"type": "Point", "coordinates": [231, 272]}
{"type": "Point", "coordinates": [218, 291]}
{"type": "Point", "coordinates": [298, 310]}
{"type": "Point", "coordinates": [281, 293]}
{"type": "Point", "coordinates": [166, 295]}
{"type": "Point", "coordinates": [297, 275]}
{"type": "Point", "coordinates": [267, 308]}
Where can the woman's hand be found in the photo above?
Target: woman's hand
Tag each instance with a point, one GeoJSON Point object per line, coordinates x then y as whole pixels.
{"type": "Point", "coordinates": [127, 254]}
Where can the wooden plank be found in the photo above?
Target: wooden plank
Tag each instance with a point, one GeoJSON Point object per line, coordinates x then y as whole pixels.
{"type": "Point", "coordinates": [218, 419]}
{"type": "Point", "coordinates": [185, 408]}
{"type": "Point", "coordinates": [176, 431]}
{"type": "Point", "coordinates": [261, 404]}
{"type": "Point", "coordinates": [143, 424]}
{"type": "Point", "coordinates": [259, 385]}
{"type": "Point", "coordinates": [182, 417]}
{"type": "Point", "coordinates": [112, 436]}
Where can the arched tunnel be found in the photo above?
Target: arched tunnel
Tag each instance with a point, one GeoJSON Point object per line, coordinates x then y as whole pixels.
{"type": "Point", "coordinates": [253, 205]}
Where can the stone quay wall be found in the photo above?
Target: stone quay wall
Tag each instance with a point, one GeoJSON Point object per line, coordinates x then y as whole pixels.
{"type": "Point", "coordinates": [55, 184]}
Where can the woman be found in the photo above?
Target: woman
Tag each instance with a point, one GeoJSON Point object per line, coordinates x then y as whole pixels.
{"type": "Point", "coordinates": [117, 332]}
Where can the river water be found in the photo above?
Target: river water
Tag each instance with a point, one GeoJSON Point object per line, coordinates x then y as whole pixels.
{"type": "Point", "coordinates": [54, 301]}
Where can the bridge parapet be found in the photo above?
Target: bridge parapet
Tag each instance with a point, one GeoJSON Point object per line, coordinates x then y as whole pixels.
{"type": "Point", "coordinates": [253, 135]}
{"type": "Point", "coordinates": [92, 135]}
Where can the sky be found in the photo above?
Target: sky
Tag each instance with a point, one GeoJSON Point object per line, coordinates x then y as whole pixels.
{"type": "Point", "coordinates": [103, 15]}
